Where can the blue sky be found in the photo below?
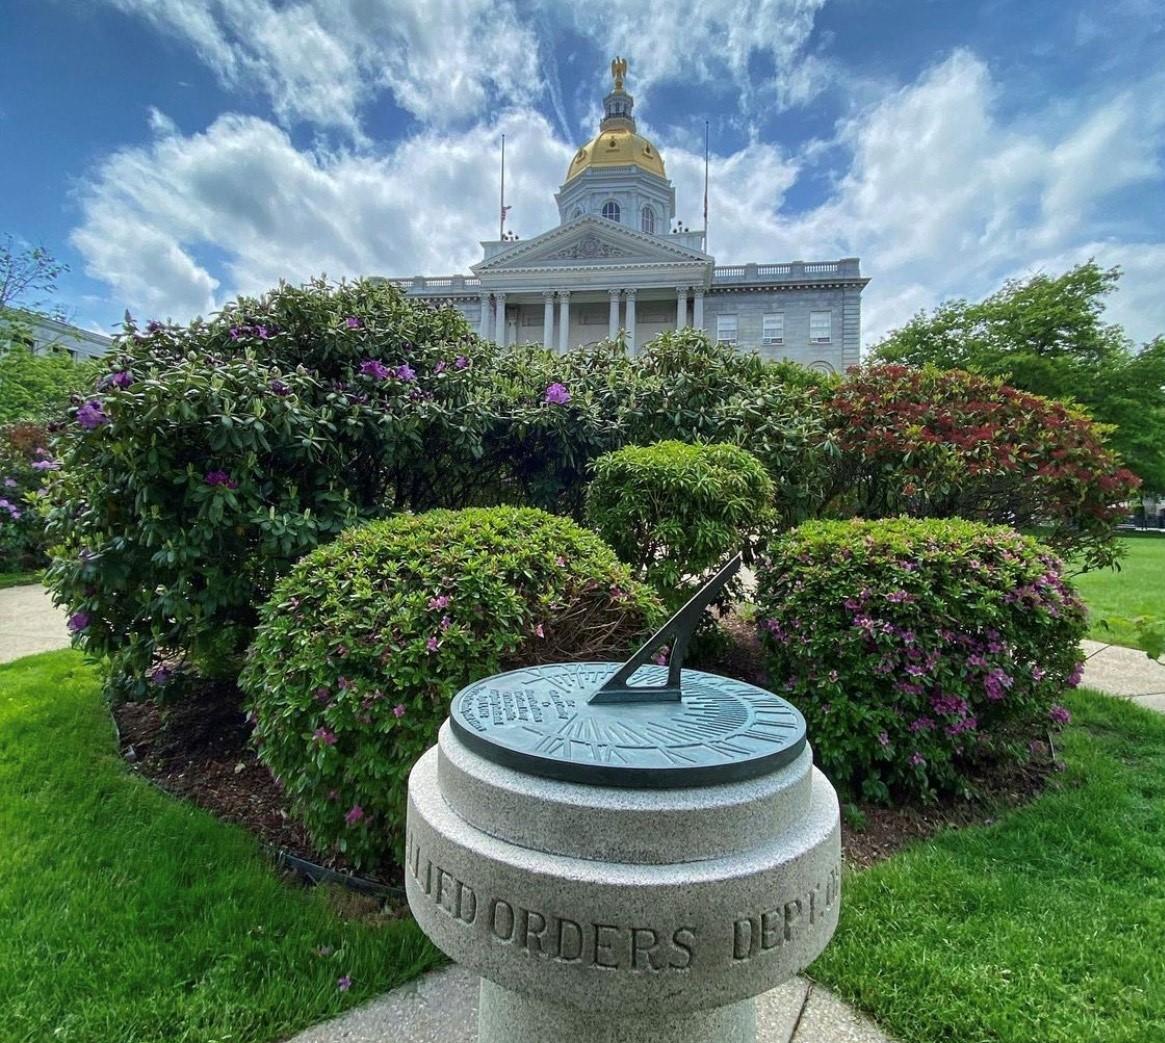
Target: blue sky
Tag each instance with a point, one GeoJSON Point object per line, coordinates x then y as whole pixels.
{"type": "Point", "coordinates": [176, 153]}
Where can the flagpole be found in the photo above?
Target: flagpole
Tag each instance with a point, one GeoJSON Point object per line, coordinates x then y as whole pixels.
{"type": "Point", "coordinates": [705, 186]}
{"type": "Point", "coordinates": [502, 204]}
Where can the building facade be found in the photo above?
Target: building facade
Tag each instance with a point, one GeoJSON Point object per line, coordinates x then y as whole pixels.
{"type": "Point", "coordinates": [40, 333]}
{"type": "Point", "coordinates": [619, 263]}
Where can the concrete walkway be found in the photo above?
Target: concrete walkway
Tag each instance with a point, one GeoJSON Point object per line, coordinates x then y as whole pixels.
{"type": "Point", "coordinates": [1126, 673]}
{"type": "Point", "coordinates": [441, 1007]}
{"type": "Point", "coordinates": [29, 622]}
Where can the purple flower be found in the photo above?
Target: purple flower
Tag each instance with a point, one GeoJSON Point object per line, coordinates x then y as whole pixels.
{"type": "Point", "coordinates": [921, 724]}
{"type": "Point", "coordinates": [461, 362]}
{"type": "Point", "coordinates": [446, 622]}
{"type": "Point", "coordinates": [432, 644]}
{"type": "Point", "coordinates": [406, 373]}
{"type": "Point", "coordinates": [898, 597]}
{"type": "Point", "coordinates": [78, 621]}
{"type": "Point", "coordinates": [439, 602]}
{"type": "Point", "coordinates": [10, 483]}
{"type": "Point", "coordinates": [322, 695]}
{"type": "Point", "coordinates": [344, 983]}
{"type": "Point", "coordinates": [237, 332]}
{"type": "Point", "coordinates": [556, 395]}
{"type": "Point", "coordinates": [996, 684]}
{"type": "Point", "coordinates": [352, 322]}
{"type": "Point", "coordinates": [279, 388]}
{"type": "Point", "coordinates": [883, 739]}
{"type": "Point", "coordinates": [45, 465]}
{"type": "Point", "coordinates": [160, 674]}
{"type": "Point", "coordinates": [221, 478]}
{"type": "Point", "coordinates": [1058, 714]}
{"type": "Point", "coordinates": [153, 326]}
{"type": "Point", "coordinates": [917, 760]}
{"type": "Point", "coordinates": [375, 369]}
{"type": "Point", "coordinates": [122, 379]}
{"type": "Point", "coordinates": [440, 367]}
{"type": "Point", "coordinates": [1038, 673]}
{"type": "Point", "coordinates": [325, 737]}
{"type": "Point", "coordinates": [355, 814]}
{"type": "Point", "coordinates": [91, 415]}
{"type": "Point", "coordinates": [262, 332]}
{"type": "Point", "coordinates": [1076, 676]}
{"type": "Point", "coordinates": [398, 710]}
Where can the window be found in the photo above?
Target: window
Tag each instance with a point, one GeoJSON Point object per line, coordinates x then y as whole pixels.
{"type": "Point", "coordinates": [726, 329]}
{"type": "Point", "coordinates": [647, 221]}
{"type": "Point", "coordinates": [611, 210]}
{"type": "Point", "coordinates": [820, 327]}
{"type": "Point", "coordinates": [773, 330]}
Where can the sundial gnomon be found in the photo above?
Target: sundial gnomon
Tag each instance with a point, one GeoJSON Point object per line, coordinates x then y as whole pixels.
{"type": "Point", "coordinates": [632, 724]}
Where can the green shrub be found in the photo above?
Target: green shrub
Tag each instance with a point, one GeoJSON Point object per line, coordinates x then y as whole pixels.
{"type": "Point", "coordinates": [215, 455]}
{"type": "Point", "coordinates": [673, 510]}
{"type": "Point", "coordinates": [918, 649]}
{"type": "Point", "coordinates": [25, 460]}
{"type": "Point", "coordinates": [36, 387]}
{"type": "Point", "coordinates": [365, 642]}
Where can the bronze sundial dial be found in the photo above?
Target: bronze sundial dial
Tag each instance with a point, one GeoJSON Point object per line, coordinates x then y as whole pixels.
{"type": "Point", "coordinates": [632, 724]}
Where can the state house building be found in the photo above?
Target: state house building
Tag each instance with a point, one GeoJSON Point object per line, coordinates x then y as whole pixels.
{"type": "Point", "coordinates": [619, 261]}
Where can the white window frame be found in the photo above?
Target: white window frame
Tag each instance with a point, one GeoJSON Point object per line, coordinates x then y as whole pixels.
{"type": "Point", "coordinates": [778, 320]}
{"type": "Point", "coordinates": [721, 322]}
{"type": "Point", "coordinates": [828, 338]}
{"type": "Point", "coordinates": [647, 217]}
{"type": "Point", "coordinates": [612, 204]}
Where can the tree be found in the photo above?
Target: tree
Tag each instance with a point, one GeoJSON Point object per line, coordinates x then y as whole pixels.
{"type": "Point", "coordinates": [1046, 335]}
{"type": "Point", "coordinates": [28, 277]}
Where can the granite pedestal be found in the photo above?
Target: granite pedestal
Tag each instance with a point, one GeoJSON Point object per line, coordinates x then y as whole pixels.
{"type": "Point", "coordinates": [597, 914]}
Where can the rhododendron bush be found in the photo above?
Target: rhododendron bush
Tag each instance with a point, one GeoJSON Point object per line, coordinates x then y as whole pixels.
{"type": "Point", "coordinates": [25, 462]}
{"type": "Point", "coordinates": [942, 444]}
{"type": "Point", "coordinates": [918, 650]}
{"type": "Point", "coordinates": [365, 642]}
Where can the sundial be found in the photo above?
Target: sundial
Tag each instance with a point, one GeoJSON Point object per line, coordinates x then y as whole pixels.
{"type": "Point", "coordinates": [633, 724]}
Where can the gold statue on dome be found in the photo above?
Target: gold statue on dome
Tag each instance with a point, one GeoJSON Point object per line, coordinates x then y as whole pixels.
{"type": "Point", "coordinates": [618, 71]}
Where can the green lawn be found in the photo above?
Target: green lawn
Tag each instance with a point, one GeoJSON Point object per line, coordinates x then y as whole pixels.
{"type": "Point", "coordinates": [1138, 589]}
{"type": "Point", "coordinates": [128, 916]}
{"type": "Point", "coordinates": [1048, 926]}
{"type": "Point", "coordinates": [18, 579]}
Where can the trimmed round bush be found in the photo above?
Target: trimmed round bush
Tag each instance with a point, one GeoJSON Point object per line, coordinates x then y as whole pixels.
{"type": "Point", "coordinates": [673, 510]}
{"type": "Point", "coordinates": [918, 650]}
{"type": "Point", "coordinates": [363, 644]}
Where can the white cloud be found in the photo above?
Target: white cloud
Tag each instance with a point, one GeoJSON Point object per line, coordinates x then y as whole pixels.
{"type": "Point", "coordinates": [322, 60]}
{"type": "Point", "coordinates": [939, 193]}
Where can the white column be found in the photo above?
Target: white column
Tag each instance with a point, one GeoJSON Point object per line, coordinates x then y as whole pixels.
{"type": "Point", "coordinates": [681, 307]}
{"type": "Point", "coordinates": [547, 318]}
{"type": "Point", "coordinates": [698, 308]}
{"type": "Point", "coordinates": [483, 327]}
{"type": "Point", "coordinates": [563, 320]}
{"type": "Point", "coordinates": [500, 335]}
{"type": "Point", "coordinates": [630, 322]}
{"type": "Point", "coordinates": [613, 315]}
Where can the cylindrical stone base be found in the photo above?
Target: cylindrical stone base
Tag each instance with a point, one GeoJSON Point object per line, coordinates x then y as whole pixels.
{"type": "Point", "coordinates": [508, 1017]}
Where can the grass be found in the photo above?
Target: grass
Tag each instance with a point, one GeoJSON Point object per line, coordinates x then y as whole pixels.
{"type": "Point", "coordinates": [1138, 589]}
{"type": "Point", "coordinates": [129, 916]}
{"type": "Point", "coordinates": [1048, 925]}
{"type": "Point", "coordinates": [18, 579]}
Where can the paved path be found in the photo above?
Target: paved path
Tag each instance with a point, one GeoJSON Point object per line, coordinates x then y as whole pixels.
{"type": "Point", "coordinates": [441, 1007]}
{"type": "Point", "coordinates": [1125, 673]}
{"type": "Point", "coordinates": [29, 622]}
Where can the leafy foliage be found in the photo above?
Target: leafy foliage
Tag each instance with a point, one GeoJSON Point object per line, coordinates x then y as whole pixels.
{"type": "Point", "coordinates": [674, 510]}
{"type": "Point", "coordinates": [36, 388]}
{"type": "Point", "coordinates": [215, 455]}
{"type": "Point", "coordinates": [364, 644]}
{"type": "Point", "coordinates": [918, 648]}
{"type": "Point", "coordinates": [24, 462]}
{"type": "Point", "coordinates": [929, 443]}
{"type": "Point", "coordinates": [1046, 335]}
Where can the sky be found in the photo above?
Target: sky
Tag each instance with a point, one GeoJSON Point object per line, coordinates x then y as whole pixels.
{"type": "Point", "coordinates": [176, 153]}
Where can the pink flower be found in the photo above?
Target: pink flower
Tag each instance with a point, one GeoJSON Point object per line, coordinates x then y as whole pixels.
{"type": "Point", "coordinates": [556, 395]}
{"type": "Point", "coordinates": [560, 561]}
{"type": "Point", "coordinates": [1058, 714]}
{"type": "Point", "coordinates": [355, 814]}
{"type": "Point", "coordinates": [432, 644]}
{"type": "Point", "coordinates": [398, 710]}
{"type": "Point", "coordinates": [538, 631]}
{"type": "Point", "coordinates": [1076, 676]}
{"type": "Point", "coordinates": [446, 622]}
{"type": "Point", "coordinates": [917, 760]}
{"type": "Point", "coordinates": [322, 735]}
{"type": "Point", "coordinates": [438, 603]}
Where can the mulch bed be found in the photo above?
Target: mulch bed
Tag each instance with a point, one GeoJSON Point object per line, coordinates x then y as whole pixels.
{"type": "Point", "coordinates": [199, 750]}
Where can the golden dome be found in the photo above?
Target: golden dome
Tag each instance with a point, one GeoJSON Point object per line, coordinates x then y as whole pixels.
{"type": "Point", "coordinates": [614, 148]}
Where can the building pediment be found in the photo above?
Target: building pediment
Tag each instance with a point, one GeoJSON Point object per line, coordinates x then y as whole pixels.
{"type": "Point", "coordinates": [589, 241]}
